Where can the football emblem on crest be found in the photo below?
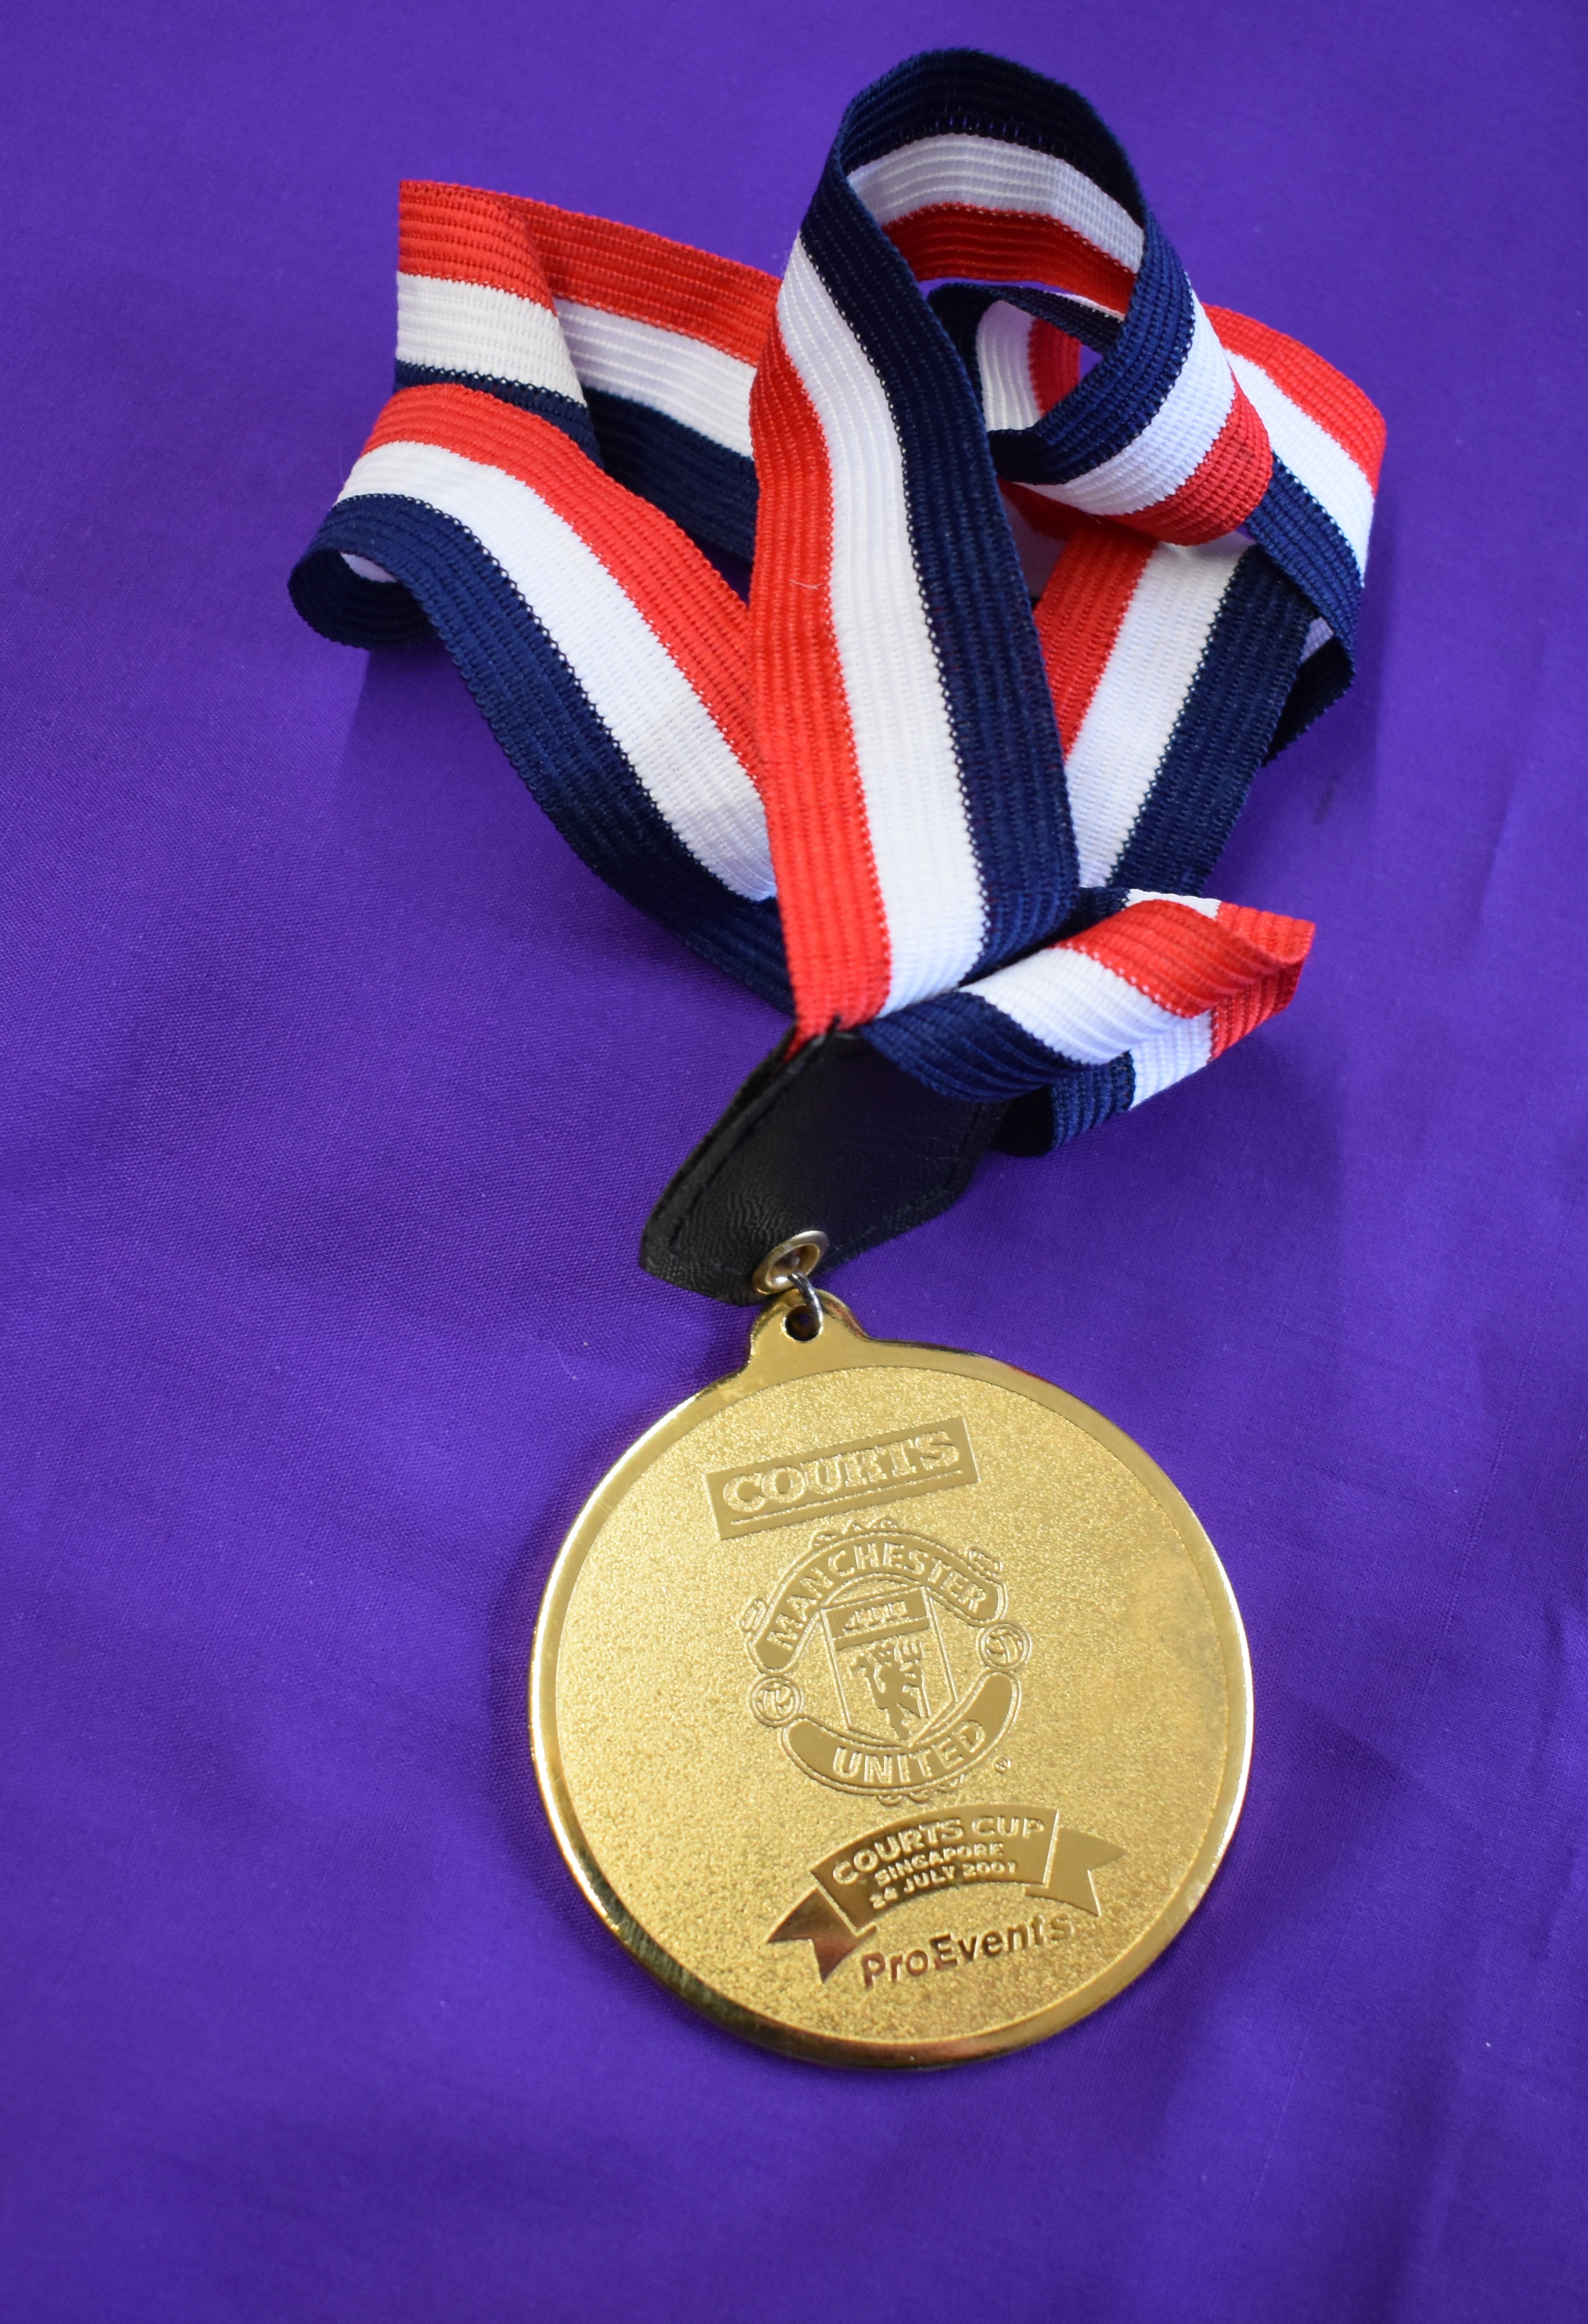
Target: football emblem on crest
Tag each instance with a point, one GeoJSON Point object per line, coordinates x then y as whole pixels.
{"type": "Point", "coordinates": [886, 1660]}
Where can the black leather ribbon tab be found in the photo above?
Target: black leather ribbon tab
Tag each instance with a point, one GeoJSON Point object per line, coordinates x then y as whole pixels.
{"type": "Point", "coordinates": [831, 1135]}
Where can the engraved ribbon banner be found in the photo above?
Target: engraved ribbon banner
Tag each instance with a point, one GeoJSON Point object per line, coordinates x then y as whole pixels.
{"type": "Point", "coordinates": [897, 1863]}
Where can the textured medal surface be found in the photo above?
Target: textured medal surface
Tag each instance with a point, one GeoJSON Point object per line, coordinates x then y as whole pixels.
{"type": "Point", "coordinates": [889, 1705]}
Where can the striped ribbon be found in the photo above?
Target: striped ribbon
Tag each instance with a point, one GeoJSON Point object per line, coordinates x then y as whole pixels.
{"type": "Point", "coordinates": [892, 791]}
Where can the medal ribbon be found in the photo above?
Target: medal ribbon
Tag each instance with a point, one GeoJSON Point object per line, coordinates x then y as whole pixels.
{"type": "Point", "coordinates": [891, 791]}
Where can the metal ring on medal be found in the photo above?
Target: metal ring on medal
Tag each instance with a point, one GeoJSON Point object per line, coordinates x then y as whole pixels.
{"type": "Point", "coordinates": [887, 1703]}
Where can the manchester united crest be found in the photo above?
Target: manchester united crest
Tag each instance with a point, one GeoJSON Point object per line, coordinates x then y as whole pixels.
{"type": "Point", "coordinates": [886, 1660]}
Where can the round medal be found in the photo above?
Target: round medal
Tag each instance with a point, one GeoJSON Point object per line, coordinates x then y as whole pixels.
{"type": "Point", "coordinates": [889, 1704]}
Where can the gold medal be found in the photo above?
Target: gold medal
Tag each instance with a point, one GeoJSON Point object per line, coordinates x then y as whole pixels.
{"type": "Point", "coordinates": [889, 1704]}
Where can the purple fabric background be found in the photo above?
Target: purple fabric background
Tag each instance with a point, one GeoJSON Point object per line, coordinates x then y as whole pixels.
{"type": "Point", "coordinates": [335, 1094]}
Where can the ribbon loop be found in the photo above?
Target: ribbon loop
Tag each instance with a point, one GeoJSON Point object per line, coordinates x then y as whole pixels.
{"type": "Point", "coordinates": [892, 792]}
